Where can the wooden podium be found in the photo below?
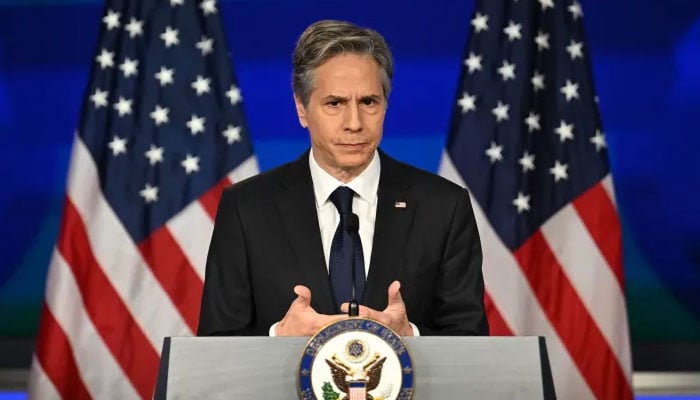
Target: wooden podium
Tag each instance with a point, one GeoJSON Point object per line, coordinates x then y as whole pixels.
{"type": "Point", "coordinates": [266, 368]}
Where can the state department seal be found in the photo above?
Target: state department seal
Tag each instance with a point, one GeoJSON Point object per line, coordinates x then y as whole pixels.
{"type": "Point", "coordinates": [356, 359]}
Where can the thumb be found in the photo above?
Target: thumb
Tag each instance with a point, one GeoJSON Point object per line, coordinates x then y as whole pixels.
{"type": "Point", "coordinates": [303, 296]}
{"type": "Point", "coordinates": [394, 294]}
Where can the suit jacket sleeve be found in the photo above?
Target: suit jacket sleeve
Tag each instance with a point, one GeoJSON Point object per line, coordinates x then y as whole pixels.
{"type": "Point", "coordinates": [227, 300]}
{"type": "Point", "coordinates": [458, 302]}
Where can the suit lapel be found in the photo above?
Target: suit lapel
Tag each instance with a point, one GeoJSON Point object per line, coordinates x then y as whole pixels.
{"type": "Point", "coordinates": [297, 209]}
{"type": "Point", "coordinates": [392, 225]}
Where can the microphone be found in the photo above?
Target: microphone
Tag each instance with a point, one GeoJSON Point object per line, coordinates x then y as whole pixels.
{"type": "Point", "coordinates": [352, 225]}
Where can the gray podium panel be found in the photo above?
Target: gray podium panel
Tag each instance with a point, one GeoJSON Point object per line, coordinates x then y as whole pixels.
{"type": "Point", "coordinates": [444, 367]}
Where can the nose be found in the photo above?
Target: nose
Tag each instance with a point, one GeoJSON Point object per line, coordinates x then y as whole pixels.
{"type": "Point", "coordinates": [353, 120]}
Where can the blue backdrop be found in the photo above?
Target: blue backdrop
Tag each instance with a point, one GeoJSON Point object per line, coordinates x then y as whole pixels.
{"type": "Point", "coordinates": [646, 62]}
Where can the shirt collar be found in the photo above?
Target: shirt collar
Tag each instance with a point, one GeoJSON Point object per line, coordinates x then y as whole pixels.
{"type": "Point", "coordinates": [365, 184]}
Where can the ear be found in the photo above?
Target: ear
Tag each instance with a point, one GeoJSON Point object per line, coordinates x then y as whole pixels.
{"type": "Point", "coordinates": [301, 112]}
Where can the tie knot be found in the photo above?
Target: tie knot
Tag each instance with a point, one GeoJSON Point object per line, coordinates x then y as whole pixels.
{"type": "Point", "coordinates": [342, 199]}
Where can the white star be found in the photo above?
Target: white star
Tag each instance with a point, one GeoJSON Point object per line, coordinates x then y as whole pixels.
{"type": "Point", "coordinates": [128, 67]}
{"type": "Point", "coordinates": [232, 134]}
{"type": "Point", "coordinates": [513, 31]}
{"type": "Point", "coordinates": [118, 145]}
{"type": "Point", "coordinates": [467, 102]}
{"type": "Point", "coordinates": [206, 45]}
{"type": "Point", "coordinates": [546, 4]}
{"type": "Point", "coordinates": [164, 76]}
{"type": "Point", "coordinates": [501, 111]}
{"type": "Point", "coordinates": [537, 81]}
{"type": "Point", "coordinates": [542, 40]}
{"type": "Point", "coordinates": [570, 90]}
{"type": "Point", "coordinates": [134, 27]}
{"type": "Point", "coordinates": [123, 106]}
{"type": "Point", "coordinates": [599, 140]}
{"type": "Point", "coordinates": [111, 20]}
{"type": "Point", "coordinates": [201, 85]}
{"type": "Point", "coordinates": [575, 10]}
{"type": "Point", "coordinates": [565, 131]}
{"type": "Point", "coordinates": [99, 98]}
{"type": "Point", "coordinates": [174, 3]}
{"type": "Point", "coordinates": [170, 36]}
{"type": "Point", "coordinates": [234, 94]}
{"type": "Point", "coordinates": [575, 49]}
{"type": "Point", "coordinates": [527, 161]}
{"type": "Point", "coordinates": [507, 71]}
{"type": "Point", "coordinates": [494, 152]}
{"type": "Point", "coordinates": [559, 171]}
{"type": "Point", "coordinates": [191, 164]}
{"type": "Point", "coordinates": [160, 115]}
{"type": "Point", "coordinates": [522, 202]}
{"type": "Point", "coordinates": [208, 7]}
{"type": "Point", "coordinates": [105, 59]}
{"type": "Point", "coordinates": [533, 122]}
{"type": "Point", "coordinates": [473, 63]}
{"type": "Point", "coordinates": [196, 124]}
{"type": "Point", "coordinates": [154, 155]}
{"type": "Point", "coordinates": [480, 22]}
{"type": "Point", "coordinates": [149, 193]}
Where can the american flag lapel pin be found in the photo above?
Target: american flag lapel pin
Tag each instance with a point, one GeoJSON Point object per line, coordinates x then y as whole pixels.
{"type": "Point", "coordinates": [400, 204]}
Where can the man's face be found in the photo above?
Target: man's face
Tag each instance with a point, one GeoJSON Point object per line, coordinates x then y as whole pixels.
{"type": "Point", "coordinates": [345, 114]}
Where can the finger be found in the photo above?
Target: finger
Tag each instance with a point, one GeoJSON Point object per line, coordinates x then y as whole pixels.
{"type": "Point", "coordinates": [303, 296]}
{"type": "Point", "coordinates": [394, 294]}
{"type": "Point", "coordinates": [366, 312]}
{"type": "Point", "coordinates": [333, 318]}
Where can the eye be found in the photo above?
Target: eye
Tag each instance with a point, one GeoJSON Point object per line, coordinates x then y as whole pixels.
{"type": "Point", "coordinates": [369, 101]}
{"type": "Point", "coordinates": [333, 103]}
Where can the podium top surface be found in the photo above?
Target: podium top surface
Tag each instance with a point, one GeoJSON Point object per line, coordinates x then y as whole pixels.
{"type": "Point", "coordinates": [264, 367]}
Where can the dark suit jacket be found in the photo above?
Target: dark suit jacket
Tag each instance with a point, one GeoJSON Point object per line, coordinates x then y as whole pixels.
{"type": "Point", "coordinates": [267, 240]}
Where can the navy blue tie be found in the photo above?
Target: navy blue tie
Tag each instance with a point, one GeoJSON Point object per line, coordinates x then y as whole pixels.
{"type": "Point", "coordinates": [340, 263]}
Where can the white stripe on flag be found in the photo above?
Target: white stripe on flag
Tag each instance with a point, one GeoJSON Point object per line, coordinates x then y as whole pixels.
{"type": "Point", "coordinates": [512, 294]}
{"type": "Point", "coordinates": [118, 256]}
{"type": "Point", "coordinates": [591, 277]}
{"type": "Point", "coordinates": [40, 386]}
{"type": "Point", "coordinates": [192, 229]}
{"type": "Point", "coordinates": [98, 368]}
{"type": "Point", "coordinates": [609, 189]}
{"type": "Point", "coordinates": [244, 170]}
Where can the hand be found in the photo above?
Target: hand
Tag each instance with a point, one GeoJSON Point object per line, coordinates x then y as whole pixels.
{"type": "Point", "coordinates": [394, 315]}
{"type": "Point", "coordinates": [301, 319]}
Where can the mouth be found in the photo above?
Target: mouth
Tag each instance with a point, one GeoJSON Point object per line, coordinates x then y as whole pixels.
{"type": "Point", "coordinates": [352, 145]}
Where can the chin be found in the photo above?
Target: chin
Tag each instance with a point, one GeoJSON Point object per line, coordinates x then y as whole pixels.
{"type": "Point", "coordinates": [354, 162]}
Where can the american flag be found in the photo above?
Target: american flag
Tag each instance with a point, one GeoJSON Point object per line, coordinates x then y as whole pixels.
{"type": "Point", "coordinates": [526, 140]}
{"type": "Point", "coordinates": [161, 133]}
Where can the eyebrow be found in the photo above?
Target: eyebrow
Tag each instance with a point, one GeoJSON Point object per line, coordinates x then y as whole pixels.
{"type": "Point", "coordinates": [375, 97]}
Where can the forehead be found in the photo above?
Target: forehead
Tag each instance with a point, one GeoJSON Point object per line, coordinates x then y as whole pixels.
{"type": "Point", "coordinates": [349, 73]}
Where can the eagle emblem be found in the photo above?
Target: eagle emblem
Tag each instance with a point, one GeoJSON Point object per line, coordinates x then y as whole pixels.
{"type": "Point", "coordinates": [355, 359]}
{"type": "Point", "coordinates": [356, 382]}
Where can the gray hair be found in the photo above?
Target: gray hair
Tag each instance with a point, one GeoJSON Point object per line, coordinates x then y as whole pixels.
{"type": "Point", "coordinates": [326, 39]}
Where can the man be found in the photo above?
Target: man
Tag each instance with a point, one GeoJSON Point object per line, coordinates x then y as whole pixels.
{"type": "Point", "coordinates": [280, 260]}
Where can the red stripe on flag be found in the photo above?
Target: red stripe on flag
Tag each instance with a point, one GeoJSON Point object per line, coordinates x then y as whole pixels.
{"type": "Point", "coordinates": [598, 214]}
{"type": "Point", "coordinates": [581, 336]}
{"type": "Point", "coordinates": [112, 319]}
{"type": "Point", "coordinates": [175, 273]}
{"type": "Point", "coordinates": [210, 199]}
{"type": "Point", "coordinates": [497, 325]}
{"type": "Point", "coordinates": [54, 352]}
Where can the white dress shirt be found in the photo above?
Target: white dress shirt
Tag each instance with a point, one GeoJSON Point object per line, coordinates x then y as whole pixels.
{"type": "Point", "coordinates": [364, 204]}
